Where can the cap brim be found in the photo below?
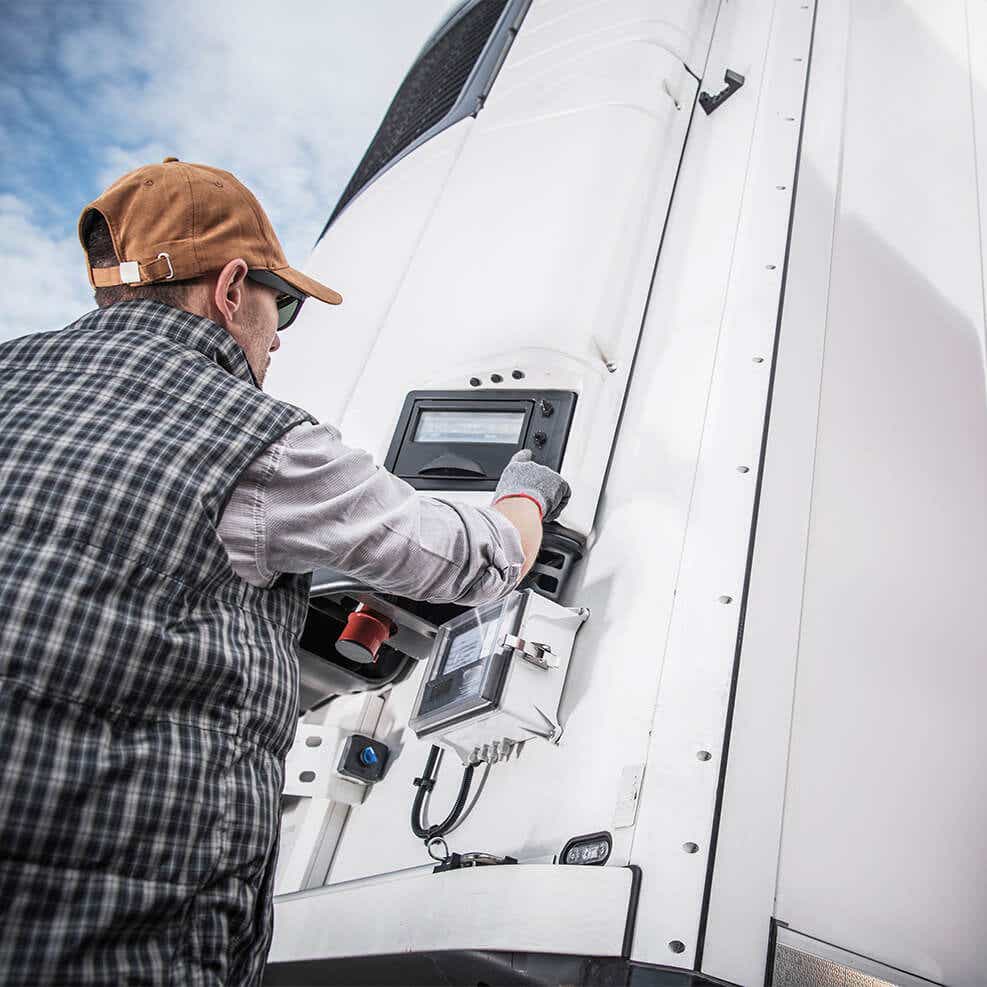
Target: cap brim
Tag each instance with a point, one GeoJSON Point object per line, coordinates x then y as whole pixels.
{"type": "Point", "coordinates": [308, 285]}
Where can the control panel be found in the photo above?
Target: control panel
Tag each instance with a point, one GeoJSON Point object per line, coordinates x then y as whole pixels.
{"type": "Point", "coordinates": [462, 440]}
{"type": "Point", "coordinates": [495, 675]}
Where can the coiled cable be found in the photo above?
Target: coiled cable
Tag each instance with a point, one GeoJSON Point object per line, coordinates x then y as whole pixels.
{"type": "Point", "coordinates": [425, 784]}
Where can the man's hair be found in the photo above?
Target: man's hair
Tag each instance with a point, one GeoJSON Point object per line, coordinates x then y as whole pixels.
{"type": "Point", "coordinates": [99, 248]}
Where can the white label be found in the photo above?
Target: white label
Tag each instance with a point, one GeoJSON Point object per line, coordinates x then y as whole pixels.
{"type": "Point", "coordinates": [130, 272]}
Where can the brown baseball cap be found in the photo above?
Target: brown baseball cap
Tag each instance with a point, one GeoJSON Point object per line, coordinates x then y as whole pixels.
{"type": "Point", "coordinates": [176, 220]}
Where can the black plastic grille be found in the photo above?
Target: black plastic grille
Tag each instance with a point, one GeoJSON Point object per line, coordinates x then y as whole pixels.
{"type": "Point", "coordinates": [430, 90]}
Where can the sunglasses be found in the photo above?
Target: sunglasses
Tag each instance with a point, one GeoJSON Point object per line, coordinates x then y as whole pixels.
{"type": "Point", "coordinates": [289, 300]}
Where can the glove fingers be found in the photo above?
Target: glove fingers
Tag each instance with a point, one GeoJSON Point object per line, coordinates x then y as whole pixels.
{"type": "Point", "coordinates": [564, 495]}
{"type": "Point", "coordinates": [531, 479]}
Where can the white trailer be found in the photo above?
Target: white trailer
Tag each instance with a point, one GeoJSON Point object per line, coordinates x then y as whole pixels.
{"type": "Point", "coordinates": [769, 320]}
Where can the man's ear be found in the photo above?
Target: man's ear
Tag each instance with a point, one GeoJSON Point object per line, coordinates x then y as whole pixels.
{"type": "Point", "coordinates": [228, 296]}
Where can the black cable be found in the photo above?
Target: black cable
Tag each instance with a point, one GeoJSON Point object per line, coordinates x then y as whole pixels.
{"type": "Point", "coordinates": [473, 801]}
{"type": "Point", "coordinates": [424, 785]}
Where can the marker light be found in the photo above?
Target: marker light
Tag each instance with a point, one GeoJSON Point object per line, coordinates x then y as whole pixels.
{"type": "Point", "coordinates": [592, 849]}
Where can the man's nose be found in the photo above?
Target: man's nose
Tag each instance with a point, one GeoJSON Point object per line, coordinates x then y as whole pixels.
{"type": "Point", "coordinates": [276, 342]}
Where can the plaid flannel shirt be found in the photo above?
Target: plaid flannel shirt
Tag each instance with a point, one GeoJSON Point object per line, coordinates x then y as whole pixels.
{"type": "Point", "coordinates": [147, 692]}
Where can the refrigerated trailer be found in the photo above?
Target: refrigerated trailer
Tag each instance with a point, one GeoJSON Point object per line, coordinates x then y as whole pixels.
{"type": "Point", "coordinates": [721, 262]}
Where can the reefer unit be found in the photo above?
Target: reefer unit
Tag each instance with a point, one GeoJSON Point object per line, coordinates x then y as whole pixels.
{"type": "Point", "coordinates": [721, 262]}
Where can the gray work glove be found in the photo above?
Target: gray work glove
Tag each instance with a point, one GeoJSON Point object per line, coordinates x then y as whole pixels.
{"type": "Point", "coordinates": [541, 484]}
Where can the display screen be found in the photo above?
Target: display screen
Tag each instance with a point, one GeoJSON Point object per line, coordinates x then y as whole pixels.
{"type": "Point", "coordinates": [448, 689]}
{"type": "Point", "coordinates": [498, 427]}
{"type": "Point", "coordinates": [469, 645]}
{"type": "Point", "coordinates": [460, 674]}
{"type": "Point", "coordinates": [468, 665]}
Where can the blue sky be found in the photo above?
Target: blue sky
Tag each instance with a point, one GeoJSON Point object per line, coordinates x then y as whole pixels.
{"type": "Point", "coordinates": [286, 95]}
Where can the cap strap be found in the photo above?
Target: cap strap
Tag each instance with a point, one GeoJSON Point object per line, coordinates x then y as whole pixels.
{"type": "Point", "coordinates": [131, 272]}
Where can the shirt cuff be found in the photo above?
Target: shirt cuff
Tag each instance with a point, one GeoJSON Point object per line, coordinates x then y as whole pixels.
{"type": "Point", "coordinates": [509, 560]}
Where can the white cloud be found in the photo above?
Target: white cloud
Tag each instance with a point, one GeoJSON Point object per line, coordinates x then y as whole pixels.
{"type": "Point", "coordinates": [44, 275]}
{"type": "Point", "coordinates": [287, 96]}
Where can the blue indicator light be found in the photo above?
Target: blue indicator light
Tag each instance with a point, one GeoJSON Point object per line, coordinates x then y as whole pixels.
{"type": "Point", "coordinates": [368, 756]}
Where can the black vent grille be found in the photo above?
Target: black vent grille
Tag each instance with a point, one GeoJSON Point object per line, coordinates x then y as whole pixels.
{"type": "Point", "coordinates": [428, 93]}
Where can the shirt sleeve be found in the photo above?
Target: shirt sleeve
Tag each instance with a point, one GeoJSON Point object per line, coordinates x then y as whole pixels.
{"type": "Point", "coordinates": [310, 501]}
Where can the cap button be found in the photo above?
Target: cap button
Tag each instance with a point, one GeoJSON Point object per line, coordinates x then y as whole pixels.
{"type": "Point", "coordinates": [166, 160]}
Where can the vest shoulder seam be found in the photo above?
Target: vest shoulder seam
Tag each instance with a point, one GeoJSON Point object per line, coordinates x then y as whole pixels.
{"type": "Point", "coordinates": [299, 415]}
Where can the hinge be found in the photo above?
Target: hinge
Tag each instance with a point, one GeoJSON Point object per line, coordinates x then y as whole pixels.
{"type": "Point", "coordinates": [733, 80]}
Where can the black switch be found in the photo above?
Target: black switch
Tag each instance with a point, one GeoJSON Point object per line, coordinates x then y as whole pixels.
{"type": "Point", "coordinates": [540, 438]}
{"type": "Point", "coordinates": [547, 409]}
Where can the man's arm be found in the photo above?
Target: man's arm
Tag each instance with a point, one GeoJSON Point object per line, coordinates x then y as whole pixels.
{"type": "Point", "coordinates": [526, 517]}
{"type": "Point", "coordinates": [311, 501]}
{"type": "Point", "coordinates": [529, 494]}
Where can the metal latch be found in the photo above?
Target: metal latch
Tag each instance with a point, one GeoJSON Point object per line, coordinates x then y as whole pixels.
{"type": "Point", "coordinates": [734, 81]}
{"type": "Point", "coordinates": [538, 654]}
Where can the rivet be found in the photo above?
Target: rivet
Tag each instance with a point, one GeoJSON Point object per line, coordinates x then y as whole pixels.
{"type": "Point", "coordinates": [677, 946]}
{"type": "Point", "coordinates": [495, 378]}
{"type": "Point", "coordinates": [690, 847]}
{"type": "Point", "coordinates": [781, 188]}
{"type": "Point", "coordinates": [517, 374]}
{"type": "Point", "coordinates": [703, 755]}
{"type": "Point", "coordinates": [759, 359]}
{"type": "Point", "coordinates": [743, 469]}
{"type": "Point", "coordinates": [474, 381]}
{"type": "Point", "coordinates": [313, 741]}
{"type": "Point", "coordinates": [770, 267]}
{"type": "Point", "coordinates": [726, 599]}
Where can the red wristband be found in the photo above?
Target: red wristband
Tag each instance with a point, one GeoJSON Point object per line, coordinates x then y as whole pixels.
{"type": "Point", "coordinates": [541, 513]}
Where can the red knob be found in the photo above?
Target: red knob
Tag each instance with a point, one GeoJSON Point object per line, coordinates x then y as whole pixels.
{"type": "Point", "coordinates": [363, 635]}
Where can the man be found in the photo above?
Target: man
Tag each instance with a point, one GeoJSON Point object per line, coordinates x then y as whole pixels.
{"type": "Point", "coordinates": [159, 519]}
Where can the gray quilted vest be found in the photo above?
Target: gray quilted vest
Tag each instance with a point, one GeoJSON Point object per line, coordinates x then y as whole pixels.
{"type": "Point", "coordinates": [147, 693]}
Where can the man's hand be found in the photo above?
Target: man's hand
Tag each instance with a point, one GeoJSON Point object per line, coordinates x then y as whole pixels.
{"type": "Point", "coordinates": [526, 495]}
{"type": "Point", "coordinates": [523, 478]}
